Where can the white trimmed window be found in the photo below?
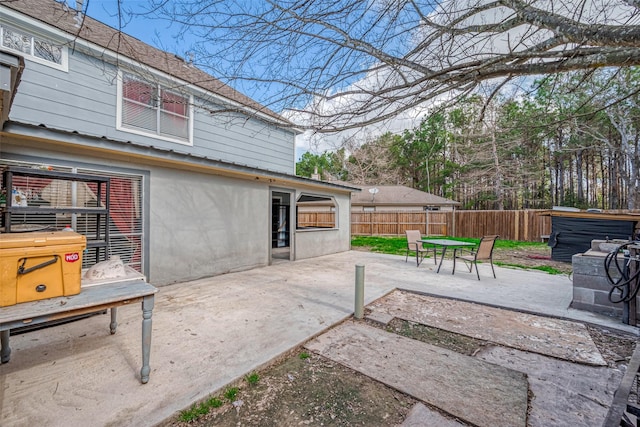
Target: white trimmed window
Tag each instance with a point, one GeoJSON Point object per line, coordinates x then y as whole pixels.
{"type": "Point", "coordinates": [153, 110]}
{"type": "Point", "coordinates": [34, 47]}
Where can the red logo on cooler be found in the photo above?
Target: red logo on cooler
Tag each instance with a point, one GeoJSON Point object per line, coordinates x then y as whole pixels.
{"type": "Point", "coordinates": [72, 257]}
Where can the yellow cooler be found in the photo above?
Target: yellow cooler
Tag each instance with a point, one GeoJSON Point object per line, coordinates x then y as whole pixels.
{"type": "Point", "coordinates": [40, 265]}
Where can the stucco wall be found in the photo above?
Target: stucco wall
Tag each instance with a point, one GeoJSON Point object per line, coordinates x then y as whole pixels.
{"type": "Point", "coordinates": [203, 225]}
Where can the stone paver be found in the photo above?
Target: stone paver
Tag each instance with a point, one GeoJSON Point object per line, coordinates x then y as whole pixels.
{"type": "Point", "coordinates": [564, 393]}
{"type": "Point", "coordinates": [474, 391]}
{"type": "Point", "coordinates": [553, 337]}
{"type": "Point", "coordinates": [421, 416]}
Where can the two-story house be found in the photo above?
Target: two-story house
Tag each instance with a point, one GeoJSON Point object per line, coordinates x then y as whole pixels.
{"type": "Point", "coordinates": [202, 177]}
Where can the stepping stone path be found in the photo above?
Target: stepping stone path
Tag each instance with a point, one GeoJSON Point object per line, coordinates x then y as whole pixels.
{"type": "Point", "coordinates": [470, 389]}
{"type": "Point", "coordinates": [556, 361]}
{"type": "Point", "coordinates": [562, 339]}
{"type": "Point", "coordinates": [563, 393]}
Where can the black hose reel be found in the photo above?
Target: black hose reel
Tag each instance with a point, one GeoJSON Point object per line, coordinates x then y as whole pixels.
{"type": "Point", "coordinates": [625, 282]}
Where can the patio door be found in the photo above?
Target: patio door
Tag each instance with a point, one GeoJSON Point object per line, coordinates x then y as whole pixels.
{"type": "Point", "coordinates": [280, 225]}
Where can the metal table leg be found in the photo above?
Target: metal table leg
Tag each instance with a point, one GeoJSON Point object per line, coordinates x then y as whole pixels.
{"type": "Point", "coordinates": [444, 251]}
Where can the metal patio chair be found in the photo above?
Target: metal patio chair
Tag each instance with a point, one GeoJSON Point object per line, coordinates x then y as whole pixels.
{"type": "Point", "coordinates": [413, 244]}
{"type": "Point", "coordinates": [484, 252]}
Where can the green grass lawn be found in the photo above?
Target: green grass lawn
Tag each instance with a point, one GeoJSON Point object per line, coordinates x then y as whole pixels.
{"type": "Point", "coordinates": [398, 246]}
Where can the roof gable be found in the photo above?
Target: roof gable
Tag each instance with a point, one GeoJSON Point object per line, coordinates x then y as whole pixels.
{"type": "Point", "coordinates": [398, 195]}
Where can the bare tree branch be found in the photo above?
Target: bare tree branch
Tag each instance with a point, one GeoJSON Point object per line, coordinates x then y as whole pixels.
{"type": "Point", "coordinates": [332, 66]}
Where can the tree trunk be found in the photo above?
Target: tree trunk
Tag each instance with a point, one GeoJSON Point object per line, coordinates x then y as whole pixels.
{"type": "Point", "coordinates": [579, 178]}
{"type": "Point", "coordinates": [498, 178]}
{"type": "Point", "coordinates": [614, 201]}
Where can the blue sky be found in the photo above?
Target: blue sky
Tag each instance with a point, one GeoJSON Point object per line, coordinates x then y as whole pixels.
{"type": "Point", "coordinates": [215, 37]}
{"type": "Point", "coordinates": [152, 31]}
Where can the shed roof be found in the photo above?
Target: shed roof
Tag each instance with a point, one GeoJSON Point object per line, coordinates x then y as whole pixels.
{"type": "Point", "coordinates": [60, 16]}
{"type": "Point", "coordinates": [610, 216]}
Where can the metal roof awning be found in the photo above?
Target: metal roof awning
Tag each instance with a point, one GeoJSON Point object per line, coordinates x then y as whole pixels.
{"type": "Point", "coordinates": [11, 67]}
{"type": "Point", "coordinates": [28, 134]}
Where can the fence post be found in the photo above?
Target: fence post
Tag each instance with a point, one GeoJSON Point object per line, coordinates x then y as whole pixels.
{"type": "Point", "coordinates": [359, 305]}
{"type": "Point", "coordinates": [453, 222]}
{"type": "Point", "coordinates": [426, 222]}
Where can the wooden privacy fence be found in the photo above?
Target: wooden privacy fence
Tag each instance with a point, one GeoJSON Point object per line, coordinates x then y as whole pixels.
{"type": "Point", "coordinates": [316, 219]}
{"type": "Point", "coordinates": [524, 225]}
{"type": "Point", "coordinates": [395, 223]}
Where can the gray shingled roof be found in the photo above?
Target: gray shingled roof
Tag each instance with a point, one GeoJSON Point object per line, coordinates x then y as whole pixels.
{"type": "Point", "coordinates": [390, 195]}
{"type": "Point", "coordinates": [61, 17]}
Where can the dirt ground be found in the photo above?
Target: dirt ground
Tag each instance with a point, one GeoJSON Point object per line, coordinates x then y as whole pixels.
{"type": "Point", "coordinates": [530, 257]}
{"type": "Point", "coordinates": [310, 391]}
{"type": "Point", "coordinates": [306, 389]}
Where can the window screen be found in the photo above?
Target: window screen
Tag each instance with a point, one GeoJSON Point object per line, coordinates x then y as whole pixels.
{"type": "Point", "coordinates": [125, 217]}
{"type": "Point", "coordinates": [125, 209]}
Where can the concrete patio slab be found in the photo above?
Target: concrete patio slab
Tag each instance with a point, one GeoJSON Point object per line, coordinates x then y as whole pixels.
{"type": "Point", "coordinates": [553, 337]}
{"type": "Point", "coordinates": [209, 332]}
{"type": "Point", "coordinates": [483, 394]}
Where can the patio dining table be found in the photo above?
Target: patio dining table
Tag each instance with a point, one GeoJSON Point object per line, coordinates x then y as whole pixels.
{"type": "Point", "coordinates": [444, 244]}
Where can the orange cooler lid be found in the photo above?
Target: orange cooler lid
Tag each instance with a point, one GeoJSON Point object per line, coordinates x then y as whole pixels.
{"type": "Point", "coordinates": [41, 238]}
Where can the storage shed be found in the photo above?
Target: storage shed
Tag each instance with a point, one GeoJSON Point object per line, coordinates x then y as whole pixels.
{"type": "Point", "coordinates": [572, 232]}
